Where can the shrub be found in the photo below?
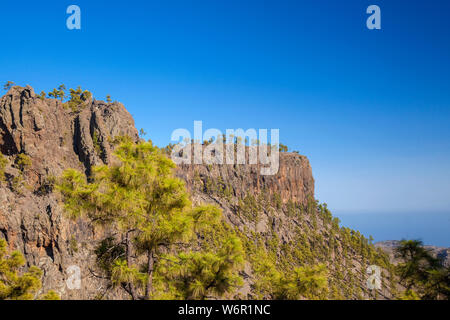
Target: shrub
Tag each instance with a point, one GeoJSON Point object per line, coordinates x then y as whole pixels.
{"type": "Point", "coordinates": [23, 162]}
{"type": "Point", "coordinates": [3, 163]}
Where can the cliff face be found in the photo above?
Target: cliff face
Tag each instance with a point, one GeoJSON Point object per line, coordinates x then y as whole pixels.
{"type": "Point", "coordinates": [32, 219]}
{"type": "Point", "coordinates": [293, 182]}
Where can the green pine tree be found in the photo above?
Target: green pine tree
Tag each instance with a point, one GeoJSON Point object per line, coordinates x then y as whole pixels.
{"type": "Point", "coordinates": [283, 148]}
{"type": "Point", "coordinates": [205, 274]}
{"type": "Point", "coordinates": [140, 198]}
{"type": "Point", "coordinates": [78, 99]}
{"type": "Point", "coordinates": [54, 94]}
{"type": "Point", "coordinates": [8, 85]}
{"type": "Point", "coordinates": [420, 271]}
{"type": "Point", "coordinates": [61, 92]}
{"type": "Point", "coordinates": [409, 295]}
{"type": "Point", "coordinates": [303, 282]}
{"type": "Point", "coordinates": [23, 161]}
{"type": "Point", "coordinates": [3, 163]}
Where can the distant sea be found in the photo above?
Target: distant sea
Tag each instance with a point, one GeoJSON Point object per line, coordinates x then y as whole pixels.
{"type": "Point", "coordinates": [431, 228]}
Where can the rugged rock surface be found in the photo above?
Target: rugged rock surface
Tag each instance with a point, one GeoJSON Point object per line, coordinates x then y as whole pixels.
{"type": "Point", "coordinates": [31, 217]}
{"type": "Point", "coordinates": [55, 138]}
{"type": "Point", "coordinates": [293, 182]}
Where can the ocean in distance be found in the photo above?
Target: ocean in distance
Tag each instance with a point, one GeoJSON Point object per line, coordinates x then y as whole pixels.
{"type": "Point", "coordinates": [431, 228]}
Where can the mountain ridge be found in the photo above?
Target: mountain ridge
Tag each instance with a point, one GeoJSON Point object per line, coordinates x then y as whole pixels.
{"type": "Point", "coordinates": [278, 213]}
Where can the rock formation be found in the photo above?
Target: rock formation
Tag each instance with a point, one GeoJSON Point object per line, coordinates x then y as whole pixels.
{"type": "Point", "coordinates": [32, 219]}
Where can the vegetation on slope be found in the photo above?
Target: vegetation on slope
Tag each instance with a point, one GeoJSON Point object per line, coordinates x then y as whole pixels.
{"type": "Point", "coordinates": [312, 238]}
{"type": "Point", "coordinates": [151, 222]}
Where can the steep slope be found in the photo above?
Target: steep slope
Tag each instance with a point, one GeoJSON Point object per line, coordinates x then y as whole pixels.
{"type": "Point", "coordinates": [282, 225]}
{"type": "Point", "coordinates": [277, 216]}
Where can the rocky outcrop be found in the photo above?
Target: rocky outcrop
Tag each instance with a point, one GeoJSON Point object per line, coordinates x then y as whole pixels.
{"type": "Point", "coordinates": [31, 216]}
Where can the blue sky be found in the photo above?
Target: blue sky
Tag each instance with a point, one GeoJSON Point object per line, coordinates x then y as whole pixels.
{"type": "Point", "coordinates": [370, 108]}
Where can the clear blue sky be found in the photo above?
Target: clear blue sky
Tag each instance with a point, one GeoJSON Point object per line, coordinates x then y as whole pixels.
{"type": "Point", "coordinates": [371, 109]}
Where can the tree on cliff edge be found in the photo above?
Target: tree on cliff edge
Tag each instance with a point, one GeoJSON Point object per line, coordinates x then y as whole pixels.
{"type": "Point", "coordinates": [8, 85]}
{"type": "Point", "coordinates": [3, 163]}
{"type": "Point", "coordinates": [149, 210]}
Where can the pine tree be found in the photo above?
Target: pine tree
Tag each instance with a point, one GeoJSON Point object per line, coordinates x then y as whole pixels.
{"type": "Point", "coordinates": [308, 282]}
{"type": "Point", "coordinates": [8, 85]}
{"type": "Point", "coordinates": [54, 94]}
{"type": "Point", "coordinates": [16, 286]}
{"type": "Point", "coordinates": [283, 148]}
{"type": "Point", "coordinates": [23, 161]}
{"type": "Point", "coordinates": [108, 98]}
{"type": "Point", "coordinates": [51, 295]}
{"type": "Point", "coordinates": [416, 260]}
{"type": "Point", "coordinates": [3, 163]}
{"type": "Point", "coordinates": [199, 275]}
{"type": "Point", "coordinates": [78, 99]}
{"type": "Point", "coordinates": [61, 92]}
{"type": "Point", "coordinates": [409, 295]}
{"type": "Point", "coordinates": [142, 133]}
{"type": "Point", "coordinates": [140, 198]}
{"type": "Point", "coordinates": [420, 271]}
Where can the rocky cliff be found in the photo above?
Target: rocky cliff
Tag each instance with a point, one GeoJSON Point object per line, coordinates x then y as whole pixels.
{"type": "Point", "coordinates": [279, 210]}
{"type": "Point", "coordinates": [54, 138]}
